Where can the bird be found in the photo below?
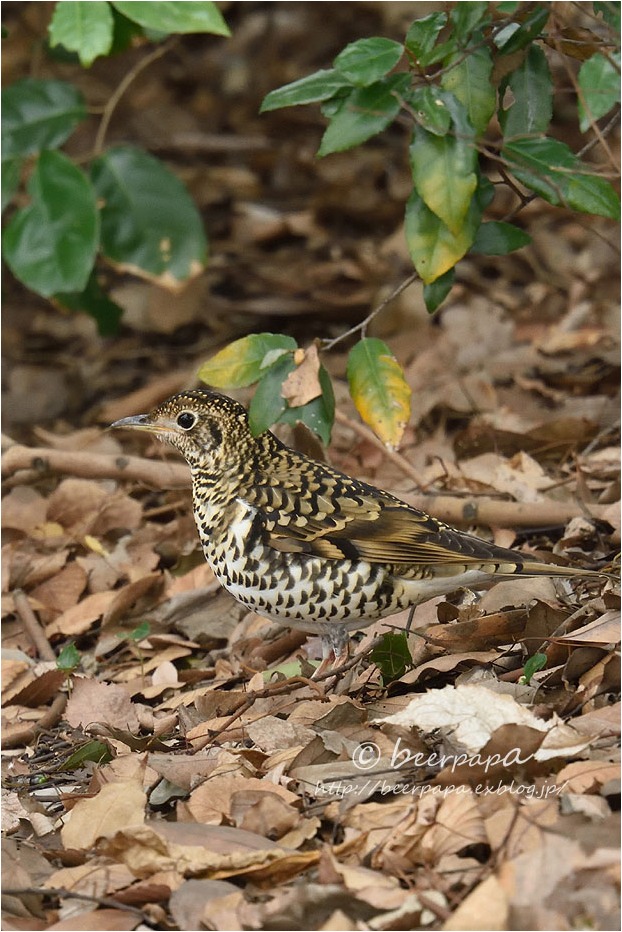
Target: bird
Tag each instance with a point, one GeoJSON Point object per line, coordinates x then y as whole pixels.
{"type": "Point", "coordinates": [299, 542]}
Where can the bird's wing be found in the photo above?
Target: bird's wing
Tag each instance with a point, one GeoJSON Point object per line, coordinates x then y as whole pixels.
{"type": "Point", "coordinates": [346, 519]}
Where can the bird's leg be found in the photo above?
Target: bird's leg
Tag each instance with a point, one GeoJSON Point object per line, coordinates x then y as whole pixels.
{"type": "Point", "coordinates": [335, 650]}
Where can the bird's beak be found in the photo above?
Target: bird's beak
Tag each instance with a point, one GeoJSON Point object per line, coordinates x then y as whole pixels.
{"type": "Point", "coordinates": [144, 422]}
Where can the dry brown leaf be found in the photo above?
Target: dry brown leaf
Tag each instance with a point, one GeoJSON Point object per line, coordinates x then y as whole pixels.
{"type": "Point", "coordinates": [98, 919]}
{"type": "Point", "coordinates": [303, 385]}
{"type": "Point", "coordinates": [116, 807]}
{"type": "Point", "coordinates": [80, 617]}
{"type": "Point", "coordinates": [486, 903]}
{"type": "Point", "coordinates": [92, 702]}
{"type": "Point", "coordinates": [23, 509]}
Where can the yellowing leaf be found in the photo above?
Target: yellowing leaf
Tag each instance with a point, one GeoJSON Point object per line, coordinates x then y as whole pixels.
{"type": "Point", "coordinates": [433, 248]}
{"type": "Point", "coordinates": [48, 529]}
{"type": "Point", "coordinates": [246, 360]}
{"type": "Point", "coordinates": [379, 389]}
{"type": "Point", "coordinates": [95, 545]}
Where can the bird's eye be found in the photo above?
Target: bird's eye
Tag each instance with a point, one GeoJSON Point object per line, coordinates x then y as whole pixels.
{"type": "Point", "coordinates": [186, 420]}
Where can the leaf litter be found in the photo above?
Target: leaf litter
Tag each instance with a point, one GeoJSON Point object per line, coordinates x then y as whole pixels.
{"type": "Point", "coordinates": [172, 779]}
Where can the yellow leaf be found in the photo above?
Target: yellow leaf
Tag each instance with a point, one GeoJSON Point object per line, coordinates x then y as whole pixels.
{"type": "Point", "coordinates": [95, 545]}
{"type": "Point", "coordinates": [379, 390]}
{"type": "Point", "coordinates": [245, 361]}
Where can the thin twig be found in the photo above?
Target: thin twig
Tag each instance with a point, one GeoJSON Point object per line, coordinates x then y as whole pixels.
{"type": "Point", "coordinates": [328, 345]}
{"type": "Point", "coordinates": [62, 893]}
{"type": "Point", "coordinates": [116, 96]}
{"type": "Point", "coordinates": [33, 626]}
{"type": "Point", "coordinates": [392, 455]}
{"type": "Point", "coordinates": [26, 735]}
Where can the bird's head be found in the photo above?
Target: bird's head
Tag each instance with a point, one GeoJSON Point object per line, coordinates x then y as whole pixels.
{"type": "Point", "coordinates": [210, 430]}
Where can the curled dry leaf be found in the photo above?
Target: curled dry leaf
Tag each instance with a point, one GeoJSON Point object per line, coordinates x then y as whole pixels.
{"type": "Point", "coordinates": [303, 384]}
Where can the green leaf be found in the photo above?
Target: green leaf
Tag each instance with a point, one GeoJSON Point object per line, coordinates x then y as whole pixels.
{"type": "Point", "coordinates": [319, 414]}
{"type": "Point", "coordinates": [392, 656]}
{"type": "Point", "coordinates": [429, 109]}
{"type": "Point", "coordinates": [498, 238]}
{"type": "Point", "coordinates": [611, 13]}
{"type": "Point", "coordinates": [94, 750]}
{"type": "Point", "coordinates": [246, 360]}
{"type": "Point", "coordinates": [379, 389]}
{"type": "Point", "coordinates": [516, 36]}
{"type": "Point", "coordinates": [69, 658]}
{"type": "Point", "coordinates": [434, 249]}
{"type": "Point", "coordinates": [367, 60]}
{"type": "Point", "coordinates": [94, 302]}
{"type": "Point", "coordinates": [268, 404]}
{"type": "Point", "coordinates": [11, 174]}
{"type": "Point", "coordinates": [138, 633]}
{"type": "Point", "coordinates": [468, 79]}
{"type": "Point", "coordinates": [599, 80]}
{"type": "Point", "coordinates": [465, 17]}
{"type": "Point", "coordinates": [444, 168]}
{"type": "Point", "coordinates": [321, 85]}
{"type": "Point", "coordinates": [422, 35]}
{"type": "Point", "coordinates": [535, 663]}
{"type": "Point", "coordinates": [150, 225]}
{"type": "Point", "coordinates": [38, 115]}
{"type": "Point", "coordinates": [532, 89]}
{"type": "Point", "coordinates": [553, 171]}
{"type": "Point", "coordinates": [50, 245]}
{"type": "Point", "coordinates": [85, 28]}
{"type": "Point", "coordinates": [435, 293]}
{"type": "Point", "coordinates": [168, 16]}
{"type": "Point", "coordinates": [365, 112]}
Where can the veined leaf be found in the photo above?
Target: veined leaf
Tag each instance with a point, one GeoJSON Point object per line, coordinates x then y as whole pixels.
{"type": "Point", "coordinates": [38, 114]}
{"type": "Point", "coordinates": [469, 81]}
{"type": "Point", "coordinates": [318, 414]}
{"type": "Point", "coordinates": [379, 389]}
{"type": "Point", "coordinates": [85, 28]}
{"type": "Point", "coordinates": [150, 224]}
{"type": "Point", "coordinates": [434, 249]}
{"type": "Point", "coordinates": [268, 404]}
{"type": "Point", "coordinates": [246, 360]}
{"type": "Point", "coordinates": [600, 83]}
{"type": "Point", "coordinates": [497, 238]}
{"type": "Point", "coordinates": [50, 244]}
{"type": "Point", "coordinates": [316, 87]}
{"type": "Point", "coordinates": [552, 170]}
{"type": "Point", "coordinates": [435, 293]}
{"type": "Point", "coordinates": [168, 16]}
{"type": "Point", "coordinates": [367, 60]}
{"type": "Point", "coordinates": [422, 35]}
{"type": "Point", "coordinates": [532, 88]}
{"type": "Point", "coordinates": [365, 112]}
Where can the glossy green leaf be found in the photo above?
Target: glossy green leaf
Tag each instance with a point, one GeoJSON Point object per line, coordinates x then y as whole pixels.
{"type": "Point", "coordinates": [319, 414]}
{"type": "Point", "coordinates": [96, 303]}
{"type": "Point", "coordinates": [498, 238]}
{"type": "Point", "coordinates": [85, 28]}
{"type": "Point", "coordinates": [435, 293]}
{"type": "Point", "coordinates": [267, 404]}
{"type": "Point", "coordinates": [444, 167]}
{"type": "Point", "coordinates": [422, 35]}
{"type": "Point", "coordinates": [516, 36]}
{"type": "Point", "coordinates": [245, 360]}
{"type": "Point", "coordinates": [50, 245]}
{"type": "Point", "coordinates": [379, 389]}
{"type": "Point", "coordinates": [468, 79]}
{"type": "Point", "coordinates": [599, 80]}
{"type": "Point", "coordinates": [553, 171]}
{"type": "Point", "coordinates": [168, 16]}
{"type": "Point", "coordinates": [319, 86]}
{"type": "Point", "coordinates": [150, 225]}
{"type": "Point", "coordinates": [11, 174]}
{"type": "Point", "coordinates": [38, 115]}
{"type": "Point", "coordinates": [365, 112]}
{"type": "Point", "coordinates": [392, 656]}
{"type": "Point", "coordinates": [367, 60]}
{"type": "Point", "coordinates": [532, 91]}
{"type": "Point", "coordinates": [433, 248]}
{"type": "Point", "coordinates": [429, 109]}
{"type": "Point", "coordinates": [467, 16]}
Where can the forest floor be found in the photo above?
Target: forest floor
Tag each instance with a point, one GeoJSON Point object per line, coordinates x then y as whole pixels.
{"type": "Point", "coordinates": [168, 780]}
